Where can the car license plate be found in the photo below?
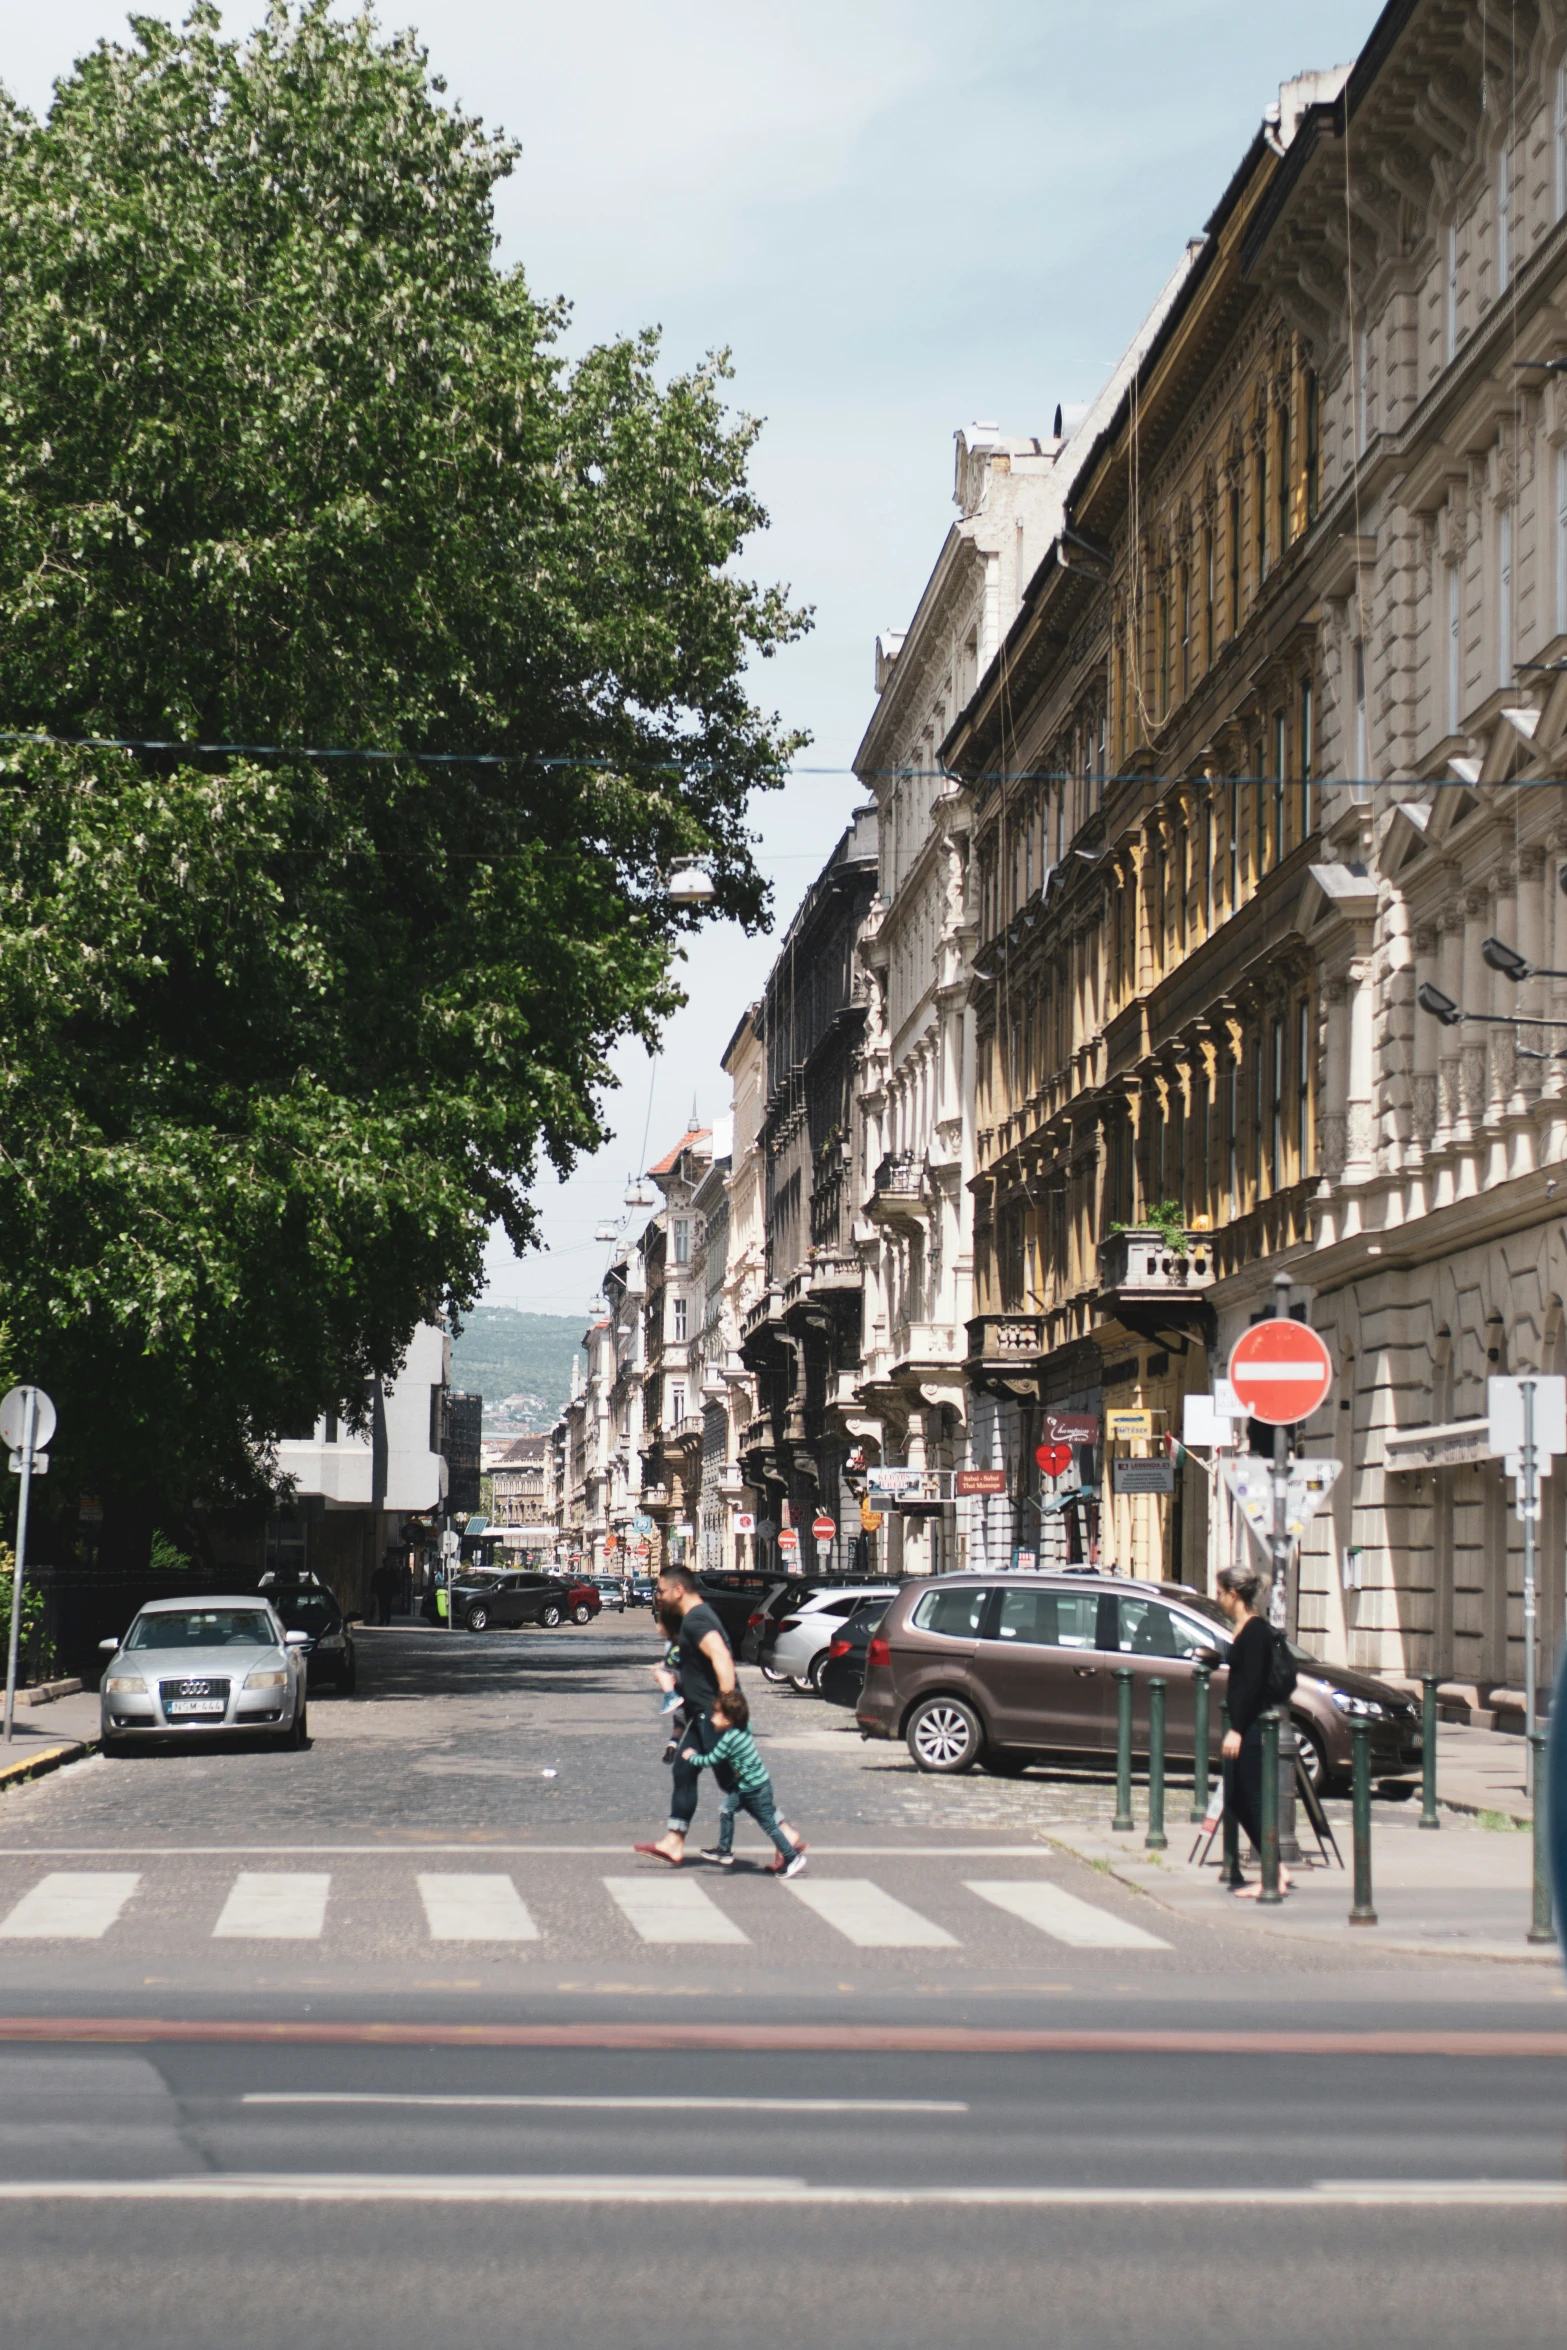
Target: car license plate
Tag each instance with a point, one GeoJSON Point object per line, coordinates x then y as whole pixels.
{"type": "Point", "coordinates": [196, 1705]}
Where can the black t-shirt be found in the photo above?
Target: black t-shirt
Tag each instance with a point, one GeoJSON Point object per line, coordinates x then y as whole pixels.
{"type": "Point", "coordinates": [1251, 1656]}
{"type": "Point", "coordinates": [698, 1681]}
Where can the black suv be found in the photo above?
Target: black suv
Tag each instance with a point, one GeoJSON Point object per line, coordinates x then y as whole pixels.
{"type": "Point", "coordinates": [510, 1595]}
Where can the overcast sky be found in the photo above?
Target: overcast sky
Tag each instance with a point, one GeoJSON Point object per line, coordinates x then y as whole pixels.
{"type": "Point", "coordinates": [899, 217]}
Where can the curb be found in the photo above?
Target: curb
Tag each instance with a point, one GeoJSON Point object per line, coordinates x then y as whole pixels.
{"type": "Point", "coordinates": [45, 1692]}
{"type": "Point", "coordinates": [50, 1758]}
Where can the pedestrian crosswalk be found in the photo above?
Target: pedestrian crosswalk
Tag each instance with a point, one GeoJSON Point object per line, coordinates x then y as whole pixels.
{"type": "Point", "coordinates": [663, 1909]}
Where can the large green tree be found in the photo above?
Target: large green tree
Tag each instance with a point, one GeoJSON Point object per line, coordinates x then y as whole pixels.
{"type": "Point", "coordinates": [287, 459]}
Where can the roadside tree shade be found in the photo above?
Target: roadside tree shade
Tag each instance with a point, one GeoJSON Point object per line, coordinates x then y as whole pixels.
{"type": "Point", "coordinates": [285, 1035]}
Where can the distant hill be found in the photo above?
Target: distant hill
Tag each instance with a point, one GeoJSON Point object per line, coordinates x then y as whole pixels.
{"type": "Point", "coordinates": [520, 1364]}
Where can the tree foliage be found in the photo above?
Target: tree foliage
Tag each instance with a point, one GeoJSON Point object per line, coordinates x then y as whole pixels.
{"type": "Point", "coordinates": [286, 459]}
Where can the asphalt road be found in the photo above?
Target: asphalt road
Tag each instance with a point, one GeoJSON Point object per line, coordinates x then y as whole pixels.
{"type": "Point", "coordinates": [395, 2042]}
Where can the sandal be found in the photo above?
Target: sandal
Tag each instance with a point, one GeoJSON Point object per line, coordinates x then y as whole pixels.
{"type": "Point", "coordinates": [657, 1852]}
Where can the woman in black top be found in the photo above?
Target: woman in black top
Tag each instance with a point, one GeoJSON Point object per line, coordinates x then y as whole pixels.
{"type": "Point", "coordinates": [1251, 1659]}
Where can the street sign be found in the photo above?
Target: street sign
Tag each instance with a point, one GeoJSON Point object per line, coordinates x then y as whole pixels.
{"type": "Point", "coordinates": [1504, 1407]}
{"type": "Point", "coordinates": [824, 1528]}
{"type": "Point", "coordinates": [1143, 1476]}
{"type": "Point", "coordinates": [766, 1528]}
{"type": "Point", "coordinates": [982, 1480]}
{"type": "Point", "coordinates": [870, 1520]}
{"type": "Point", "coordinates": [1024, 1560]}
{"type": "Point", "coordinates": [642, 1550]}
{"type": "Point", "coordinates": [1069, 1427]}
{"type": "Point", "coordinates": [788, 1539]}
{"type": "Point", "coordinates": [1202, 1423]}
{"type": "Point", "coordinates": [1121, 1427]}
{"type": "Point", "coordinates": [1281, 1372]}
{"type": "Point", "coordinates": [1054, 1459]}
{"type": "Point", "coordinates": [744, 1521]}
{"type": "Point", "coordinates": [642, 1525]}
{"type": "Point", "coordinates": [1528, 1424]}
{"type": "Point", "coordinates": [893, 1481]}
{"type": "Point", "coordinates": [13, 1417]}
{"type": "Point", "coordinates": [1306, 1488]}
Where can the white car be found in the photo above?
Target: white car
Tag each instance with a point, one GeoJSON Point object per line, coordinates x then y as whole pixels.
{"type": "Point", "coordinates": [798, 1645]}
{"type": "Point", "coordinates": [204, 1665]}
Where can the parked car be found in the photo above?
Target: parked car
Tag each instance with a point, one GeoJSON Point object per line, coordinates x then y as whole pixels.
{"type": "Point", "coordinates": [842, 1677]}
{"type": "Point", "coordinates": [782, 1595]}
{"type": "Point", "coordinates": [973, 1670]}
{"type": "Point", "coordinates": [643, 1590]}
{"type": "Point", "coordinates": [734, 1595]}
{"type": "Point", "coordinates": [584, 1600]}
{"type": "Point", "coordinates": [612, 1591]}
{"type": "Point", "coordinates": [518, 1595]}
{"type": "Point", "coordinates": [305, 1605]}
{"type": "Point", "coordinates": [798, 1641]}
{"type": "Point", "coordinates": [203, 1666]}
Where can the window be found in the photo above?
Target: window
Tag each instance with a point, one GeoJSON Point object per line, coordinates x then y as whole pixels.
{"type": "Point", "coordinates": [1235, 847]}
{"type": "Point", "coordinates": [1205, 1141]}
{"type": "Point", "coordinates": [1032, 1618]}
{"type": "Point", "coordinates": [1360, 720]}
{"type": "Point", "coordinates": [1164, 655]}
{"type": "Point", "coordinates": [1276, 1137]}
{"type": "Point", "coordinates": [1235, 562]}
{"type": "Point", "coordinates": [1504, 218]}
{"type": "Point", "coordinates": [1454, 645]}
{"type": "Point", "coordinates": [682, 1230]}
{"type": "Point", "coordinates": [1504, 595]}
{"type": "Point", "coordinates": [1450, 293]}
{"type": "Point", "coordinates": [1207, 596]}
{"type": "Point", "coordinates": [1207, 863]}
{"type": "Point", "coordinates": [956, 1615]}
{"type": "Point", "coordinates": [1234, 1139]}
{"type": "Point", "coordinates": [1148, 1629]}
{"type": "Point", "coordinates": [1303, 1094]}
{"type": "Point", "coordinates": [1281, 736]}
{"type": "Point", "coordinates": [1308, 752]}
{"type": "Point", "coordinates": [1186, 630]}
{"type": "Point", "coordinates": [1262, 497]}
{"type": "Point", "coordinates": [1561, 540]}
{"type": "Point", "coordinates": [1313, 448]}
{"type": "Point", "coordinates": [1284, 479]}
{"type": "Point", "coordinates": [680, 1318]}
{"type": "Point", "coordinates": [677, 1403]}
{"type": "Point", "coordinates": [1255, 1168]}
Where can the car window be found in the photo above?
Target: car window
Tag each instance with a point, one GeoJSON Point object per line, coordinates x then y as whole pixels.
{"type": "Point", "coordinates": [307, 1611]}
{"type": "Point", "coordinates": [957, 1614]}
{"type": "Point", "coordinates": [1047, 1619]}
{"type": "Point", "coordinates": [868, 1615]}
{"type": "Point", "coordinates": [221, 1627]}
{"type": "Point", "coordinates": [1148, 1628]}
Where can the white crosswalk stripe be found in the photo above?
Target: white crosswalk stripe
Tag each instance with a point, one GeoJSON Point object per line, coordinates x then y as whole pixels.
{"type": "Point", "coordinates": [274, 1906]}
{"type": "Point", "coordinates": [71, 1905]}
{"type": "Point", "coordinates": [1064, 1917]}
{"type": "Point", "coordinates": [475, 1909]}
{"type": "Point", "coordinates": [671, 1909]}
{"type": "Point", "coordinates": [871, 1919]}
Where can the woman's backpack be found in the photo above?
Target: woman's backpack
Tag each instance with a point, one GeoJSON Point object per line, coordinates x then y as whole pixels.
{"type": "Point", "coordinates": [1282, 1675]}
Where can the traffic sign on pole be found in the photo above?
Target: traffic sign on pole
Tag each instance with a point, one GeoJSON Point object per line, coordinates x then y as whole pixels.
{"type": "Point", "coordinates": [27, 1422]}
{"type": "Point", "coordinates": [824, 1528]}
{"type": "Point", "coordinates": [1281, 1372]}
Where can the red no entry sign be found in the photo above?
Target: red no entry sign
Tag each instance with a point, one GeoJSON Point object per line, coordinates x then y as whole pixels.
{"type": "Point", "coordinates": [1280, 1372]}
{"type": "Point", "coordinates": [823, 1528]}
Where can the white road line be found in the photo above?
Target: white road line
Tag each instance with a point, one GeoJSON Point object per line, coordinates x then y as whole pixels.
{"type": "Point", "coordinates": [75, 1905]}
{"type": "Point", "coordinates": [671, 1909]}
{"type": "Point", "coordinates": [274, 1906]}
{"type": "Point", "coordinates": [475, 1909]}
{"type": "Point", "coordinates": [615, 2104]}
{"type": "Point", "coordinates": [1063, 1917]}
{"type": "Point", "coordinates": [871, 1919]}
{"type": "Point", "coordinates": [420, 1849]}
{"type": "Point", "coordinates": [556, 2187]}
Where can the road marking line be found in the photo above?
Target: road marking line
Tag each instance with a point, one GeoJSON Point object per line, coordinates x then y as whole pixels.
{"type": "Point", "coordinates": [671, 1909]}
{"type": "Point", "coordinates": [274, 1906]}
{"type": "Point", "coordinates": [1063, 1917]}
{"type": "Point", "coordinates": [615, 2104]}
{"type": "Point", "coordinates": [1040, 1850]}
{"type": "Point", "coordinates": [75, 1905]}
{"type": "Point", "coordinates": [662, 2189]}
{"type": "Point", "coordinates": [475, 1909]}
{"type": "Point", "coordinates": [871, 1919]}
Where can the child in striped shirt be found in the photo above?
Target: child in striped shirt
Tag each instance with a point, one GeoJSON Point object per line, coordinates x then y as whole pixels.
{"type": "Point", "coordinates": [753, 1789]}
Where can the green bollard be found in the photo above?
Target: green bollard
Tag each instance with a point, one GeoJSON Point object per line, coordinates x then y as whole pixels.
{"type": "Point", "coordinates": [1230, 1874]}
{"type": "Point", "coordinates": [1200, 1679]}
{"type": "Point", "coordinates": [1428, 1818]}
{"type": "Point", "coordinates": [1540, 1927]}
{"type": "Point", "coordinates": [1271, 1894]}
{"type": "Point", "coordinates": [1123, 1822]}
{"type": "Point", "coordinates": [1156, 1839]}
{"type": "Point", "coordinates": [1362, 1914]}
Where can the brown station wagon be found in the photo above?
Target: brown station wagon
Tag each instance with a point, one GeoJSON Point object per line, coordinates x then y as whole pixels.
{"type": "Point", "coordinates": [998, 1669]}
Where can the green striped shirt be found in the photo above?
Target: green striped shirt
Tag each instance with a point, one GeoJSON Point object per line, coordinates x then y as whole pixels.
{"type": "Point", "coordinates": [739, 1750]}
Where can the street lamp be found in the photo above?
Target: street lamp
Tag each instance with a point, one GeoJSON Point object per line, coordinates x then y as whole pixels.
{"type": "Point", "coordinates": [690, 885]}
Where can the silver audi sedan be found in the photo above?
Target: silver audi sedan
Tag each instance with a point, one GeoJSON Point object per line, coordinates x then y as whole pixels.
{"type": "Point", "coordinates": [203, 1664]}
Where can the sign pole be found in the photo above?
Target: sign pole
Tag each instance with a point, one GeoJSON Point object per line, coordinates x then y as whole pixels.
{"type": "Point", "coordinates": [1531, 1503]}
{"type": "Point", "coordinates": [29, 1435]}
{"type": "Point", "coordinates": [1279, 1606]}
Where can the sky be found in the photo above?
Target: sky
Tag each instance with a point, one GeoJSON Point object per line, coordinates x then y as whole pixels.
{"type": "Point", "coordinates": [899, 219]}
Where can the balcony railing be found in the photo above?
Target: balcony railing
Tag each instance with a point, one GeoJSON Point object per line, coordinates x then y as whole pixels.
{"type": "Point", "coordinates": [1143, 1261]}
{"type": "Point", "coordinates": [1005, 1338]}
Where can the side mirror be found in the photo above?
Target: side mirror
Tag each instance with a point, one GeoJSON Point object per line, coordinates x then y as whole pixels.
{"type": "Point", "coordinates": [108, 1648]}
{"type": "Point", "coordinates": [296, 1639]}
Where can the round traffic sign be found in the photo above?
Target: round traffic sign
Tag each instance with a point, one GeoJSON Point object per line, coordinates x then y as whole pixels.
{"type": "Point", "coordinates": [824, 1528]}
{"type": "Point", "coordinates": [788, 1539]}
{"type": "Point", "coordinates": [1280, 1372]}
{"type": "Point", "coordinates": [1054, 1459]}
{"type": "Point", "coordinates": [13, 1417]}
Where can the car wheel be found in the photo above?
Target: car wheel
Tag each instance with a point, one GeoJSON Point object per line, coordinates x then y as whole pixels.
{"type": "Point", "coordinates": [300, 1734]}
{"type": "Point", "coordinates": [348, 1679]}
{"type": "Point", "coordinates": [582, 1614]}
{"type": "Point", "coordinates": [809, 1683]}
{"type": "Point", "coordinates": [477, 1618]}
{"type": "Point", "coordinates": [770, 1674]}
{"type": "Point", "coordinates": [944, 1735]}
{"type": "Point", "coordinates": [111, 1745]}
{"type": "Point", "coordinates": [549, 1615]}
{"type": "Point", "coordinates": [1313, 1754]}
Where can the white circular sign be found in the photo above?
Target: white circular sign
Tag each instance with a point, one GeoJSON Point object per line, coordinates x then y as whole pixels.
{"type": "Point", "coordinates": [13, 1417]}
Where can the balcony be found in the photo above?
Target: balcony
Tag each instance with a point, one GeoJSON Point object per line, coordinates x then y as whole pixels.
{"type": "Point", "coordinates": [1147, 1262]}
{"type": "Point", "coordinates": [897, 1196]}
{"type": "Point", "coordinates": [1004, 1353]}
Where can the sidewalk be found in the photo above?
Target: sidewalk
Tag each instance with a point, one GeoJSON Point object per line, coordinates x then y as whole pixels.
{"type": "Point", "coordinates": [1464, 1890]}
{"type": "Point", "coordinates": [45, 1736]}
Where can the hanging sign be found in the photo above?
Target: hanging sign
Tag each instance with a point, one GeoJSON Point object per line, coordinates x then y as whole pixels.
{"type": "Point", "coordinates": [982, 1480]}
{"type": "Point", "coordinates": [1122, 1427]}
{"type": "Point", "coordinates": [1306, 1488]}
{"type": "Point", "coordinates": [1281, 1372]}
{"type": "Point", "coordinates": [1054, 1459]}
{"type": "Point", "coordinates": [1144, 1476]}
{"type": "Point", "coordinates": [1069, 1427]}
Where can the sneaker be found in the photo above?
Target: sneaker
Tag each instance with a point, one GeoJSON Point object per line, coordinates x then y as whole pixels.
{"type": "Point", "coordinates": [719, 1858]}
{"type": "Point", "coordinates": [794, 1867]}
{"type": "Point", "coordinates": [671, 1704]}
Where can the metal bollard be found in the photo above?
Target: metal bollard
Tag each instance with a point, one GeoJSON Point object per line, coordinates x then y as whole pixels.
{"type": "Point", "coordinates": [1230, 1867]}
{"type": "Point", "coordinates": [1156, 1839]}
{"type": "Point", "coordinates": [1200, 1679]}
{"type": "Point", "coordinates": [1428, 1818]}
{"type": "Point", "coordinates": [1362, 1914]}
{"type": "Point", "coordinates": [1271, 1893]}
{"type": "Point", "coordinates": [1540, 1927]}
{"type": "Point", "coordinates": [1123, 1822]}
